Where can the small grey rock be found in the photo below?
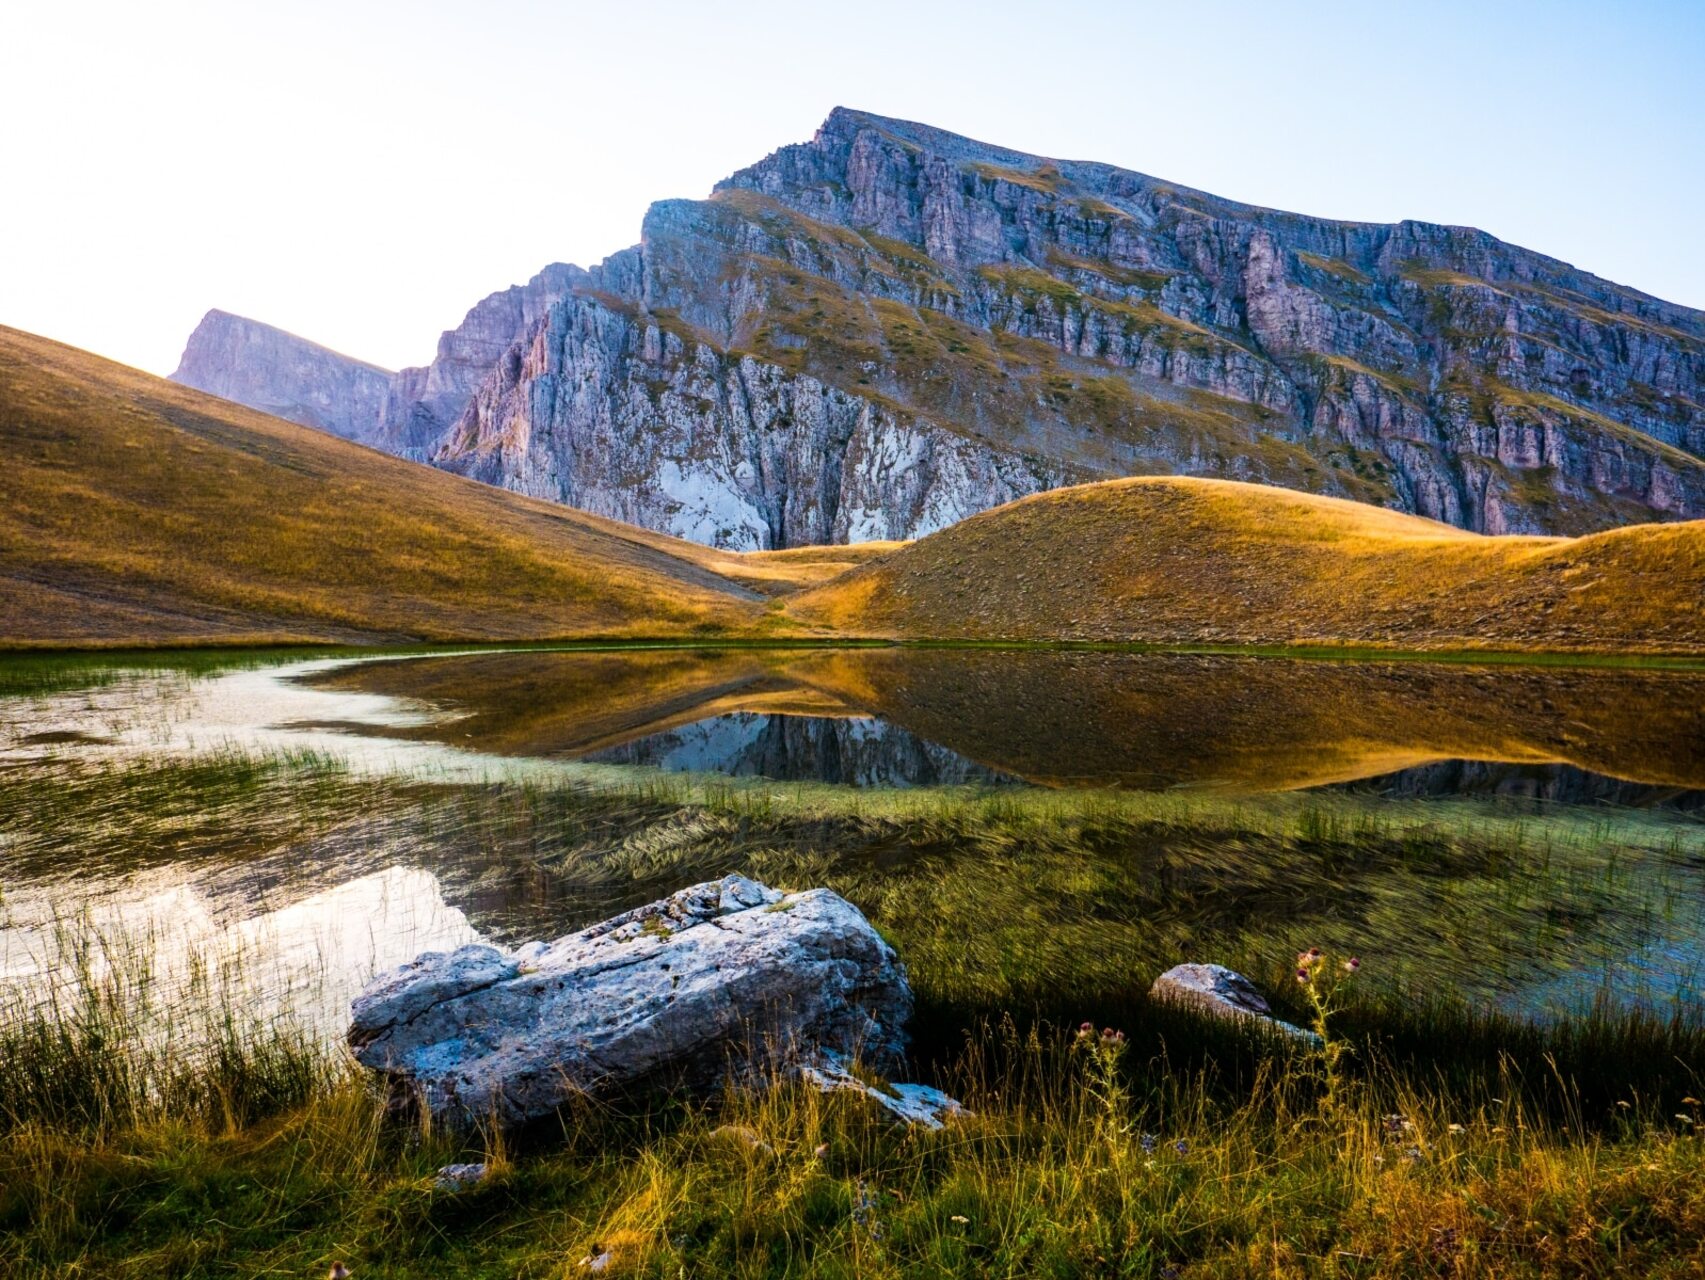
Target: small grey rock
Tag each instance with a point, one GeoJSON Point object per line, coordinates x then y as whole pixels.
{"type": "Point", "coordinates": [1223, 993]}
{"type": "Point", "coordinates": [918, 1104]}
{"type": "Point", "coordinates": [459, 1177]}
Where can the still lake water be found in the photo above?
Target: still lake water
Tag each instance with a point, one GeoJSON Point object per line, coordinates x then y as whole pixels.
{"type": "Point", "coordinates": [297, 920]}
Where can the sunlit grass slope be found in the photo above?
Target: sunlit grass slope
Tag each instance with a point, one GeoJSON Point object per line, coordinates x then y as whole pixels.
{"type": "Point", "coordinates": [1180, 560]}
{"type": "Point", "coordinates": [778, 573]}
{"type": "Point", "coordinates": [139, 511]}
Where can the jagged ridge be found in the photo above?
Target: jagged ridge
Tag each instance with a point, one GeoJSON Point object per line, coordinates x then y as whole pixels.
{"type": "Point", "coordinates": [886, 329]}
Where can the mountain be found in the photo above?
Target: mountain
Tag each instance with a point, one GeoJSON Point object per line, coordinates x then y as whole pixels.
{"type": "Point", "coordinates": [141, 512]}
{"type": "Point", "coordinates": [289, 377]}
{"type": "Point", "coordinates": [1177, 560]}
{"type": "Point", "coordinates": [404, 412]}
{"type": "Point", "coordinates": [881, 331]}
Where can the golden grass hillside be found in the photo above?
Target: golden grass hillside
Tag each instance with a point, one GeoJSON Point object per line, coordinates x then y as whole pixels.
{"type": "Point", "coordinates": [1173, 560]}
{"type": "Point", "coordinates": [141, 512]}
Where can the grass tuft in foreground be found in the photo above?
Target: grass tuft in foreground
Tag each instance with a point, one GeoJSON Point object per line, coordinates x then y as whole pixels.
{"type": "Point", "coordinates": [1086, 1154]}
{"type": "Point", "coordinates": [149, 1129]}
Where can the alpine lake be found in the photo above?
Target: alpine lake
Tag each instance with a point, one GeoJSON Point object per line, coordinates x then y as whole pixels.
{"type": "Point", "coordinates": [1037, 829]}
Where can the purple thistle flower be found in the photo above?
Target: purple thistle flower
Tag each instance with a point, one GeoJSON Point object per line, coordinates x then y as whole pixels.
{"type": "Point", "coordinates": [1181, 1147]}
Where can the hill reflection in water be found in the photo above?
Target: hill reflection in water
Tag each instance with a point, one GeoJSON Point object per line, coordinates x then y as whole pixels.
{"type": "Point", "coordinates": [907, 716]}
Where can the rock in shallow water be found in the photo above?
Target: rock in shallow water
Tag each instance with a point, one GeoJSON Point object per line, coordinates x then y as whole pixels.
{"type": "Point", "coordinates": [725, 972]}
{"type": "Point", "coordinates": [1224, 993]}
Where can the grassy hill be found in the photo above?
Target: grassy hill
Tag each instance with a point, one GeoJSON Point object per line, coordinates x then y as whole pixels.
{"type": "Point", "coordinates": [1173, 560]}
{"type": "Point", "coordinates": [141, 512]}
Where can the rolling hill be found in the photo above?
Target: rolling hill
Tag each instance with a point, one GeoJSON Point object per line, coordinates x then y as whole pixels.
{"type": "Point", "coordinates": [1182, 560]}
{"type": "Point", "coordinates": [141, 512]}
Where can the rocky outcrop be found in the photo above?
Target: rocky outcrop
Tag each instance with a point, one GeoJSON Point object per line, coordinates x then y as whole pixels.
{"type": "Point", "coordinates": [279, 373]}
{"type": "Point", "coordinates": [889, 327]}
{"type": "Point", "coordinates": [613, 413]}
{"type": "Point", "coordinates": [1220, 992]}
{"type": "Point", "coordinates": [406, 412]}
{"type": "Point", "coordinates": [722, 975]}
{"type": "Point", "coordinates": [424, 403]}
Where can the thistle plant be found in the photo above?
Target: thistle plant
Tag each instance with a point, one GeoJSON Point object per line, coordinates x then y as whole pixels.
{"type": "Point", "coordinates": [1106, 1050]}
{"type": "Point", "coordinates": [1320, 981]}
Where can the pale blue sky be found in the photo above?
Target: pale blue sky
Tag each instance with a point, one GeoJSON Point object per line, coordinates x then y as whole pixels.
{"type": "Point", "coordinates": [362, 173]}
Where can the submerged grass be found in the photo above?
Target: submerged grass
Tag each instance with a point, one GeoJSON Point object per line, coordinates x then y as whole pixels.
{"type": "Point", "coordinates": [144, 1140]}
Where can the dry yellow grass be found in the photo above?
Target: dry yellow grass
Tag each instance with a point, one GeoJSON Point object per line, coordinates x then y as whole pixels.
{"type": "Point", "coordinates": [141, 512]}
{"type": "Point", "coordinates": [778, 573]}
{"type": "Point", "coordinates": [1176, 560]}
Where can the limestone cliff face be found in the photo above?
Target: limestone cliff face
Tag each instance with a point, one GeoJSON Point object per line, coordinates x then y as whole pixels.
{"type": "Point", "coordinates": [890, 327]}
{"type": "Point", "coordinates": [405, 412]}
{"type": "Point", "coordinates": [614, 414]}
{"type": "Point", "coordinates": [423, 403]}
{"type": "Point", "coordinates": [279, 373]}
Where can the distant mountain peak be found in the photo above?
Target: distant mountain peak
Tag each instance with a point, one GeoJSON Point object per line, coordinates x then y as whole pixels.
{"type": "Point", "coordinates": [267, 368]}
{"type": "Point", "coordinates": [402, 412]}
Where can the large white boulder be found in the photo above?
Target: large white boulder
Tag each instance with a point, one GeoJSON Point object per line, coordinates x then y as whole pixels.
{"type": "Point", "coordinates": [723, 975]}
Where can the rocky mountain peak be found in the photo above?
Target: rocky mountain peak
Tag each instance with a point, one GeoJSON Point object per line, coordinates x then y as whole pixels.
{"type": "Point", "coordinates": [268, 369]}
{"type": "Point", "coordinates": [890, 327]}
{"type": "Point", "coordinates": [403, 412]}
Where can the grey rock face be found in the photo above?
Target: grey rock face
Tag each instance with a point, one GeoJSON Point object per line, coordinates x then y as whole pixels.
{"type": "Point", "coordinates": [405, 413]}
{"type": "Point", "coordinates": [890, 327]}
{"type": "Point", "coordinates": [614, 414]}
{"type": "Point", "coordinates": [422, 404]}
{"type": "Point", "coordinates": [279, 373]}
{"type": "Point", "coordinates": [721, 973]}
{"type": "Point", "coordinates": [1433, 369]}
{"type": "Point", "coordinates": [1222, 993]}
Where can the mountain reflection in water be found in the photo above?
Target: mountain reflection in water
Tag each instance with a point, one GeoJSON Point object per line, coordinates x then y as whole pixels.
{"type": "Point", "coordinates": [1078, 718]}
{"type": "Point", "coordinates": [300, 916]}
{"type": "Point", "coordinates": [859, 751]}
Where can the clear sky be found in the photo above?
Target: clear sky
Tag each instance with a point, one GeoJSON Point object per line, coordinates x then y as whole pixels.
{"type": "Point", "coordinates": [362, 173]}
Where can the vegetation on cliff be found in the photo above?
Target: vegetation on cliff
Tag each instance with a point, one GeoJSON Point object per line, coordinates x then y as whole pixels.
{"type": "Point", "coordinates": [143, 513]}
